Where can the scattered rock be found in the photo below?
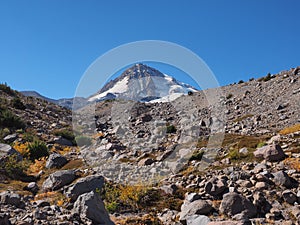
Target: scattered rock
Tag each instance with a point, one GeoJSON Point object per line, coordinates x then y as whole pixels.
{"type": "Point", "coordinates": [198, 207]}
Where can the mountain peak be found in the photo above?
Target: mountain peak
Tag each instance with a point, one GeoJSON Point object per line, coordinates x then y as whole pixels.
{"type": "Point", "coordinates": [142, 83]}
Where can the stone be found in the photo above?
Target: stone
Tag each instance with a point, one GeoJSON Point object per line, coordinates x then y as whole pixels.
{"type": "Point", "coordinates": [225, 223]}
{"type": "Point", "coordinates": [270, 153]}
{"type": "Point", "coordinates": [282, 179]}
{"type": "Point", "coordinates": [197, 220]}
{"type": "Point", "coordinates": [234, 203]}
{"type": "Point", "coordinates": [145, 162]}
{"type": "Point", "coordinates": [4, 219]}
{"type": "Point", "coordinates": [215, 186]}
{"type": "Point", "coordinates": [7, 150]}
{"type": "Point", "coordinates": [168, 216]}
{"type": "Point", "coordinates": [90, 206]}
{"type": "Point", "coordinates": [32, 187]}
{"type": "Point", "coordinates": [289, 196]}
{"type": "Point", "coordinates": [244, 151]}
{"type": "Point", "coordinates": [169, 189]}
{"type": "Point", "coordinates": [56, 160]}
{"type": "Point", "coordinates": [85, 185]}
{"type": "Point", "coordinates": [10, 198]}
{"type": "Point", "coordinates": [10, 138]}
{"type": "Point", "coordinates": [198, 207]}
{"type": "Point", "coordinates": [59, 179]}
{"type": "Point", "coordinates": [63, 141]}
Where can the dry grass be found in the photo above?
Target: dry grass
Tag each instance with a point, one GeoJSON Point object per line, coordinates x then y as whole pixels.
{"type": "Point", "coordinates": [293, 163]}
{"type": "Point", "coordinates": [53, 197]}
{"type": "Point", "coordinates": [289, 130]}
{"type": "Point", "coordinates": [37, 166]}
{"type": "Point", "coordinates": [138, 220]}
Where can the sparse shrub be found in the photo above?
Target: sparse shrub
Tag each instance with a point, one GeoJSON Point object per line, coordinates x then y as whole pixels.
{"type": "Point", "coordinates": [229, 96]}
{"type": "Point", "coordinates": [37, 150]}
{"type": "Point", "coordinates": [22, 148]}
{"type": "Point", "coordinates": [190, 93]}
{"type": "Point", "coordinates": [234, 154]}
{"type": "Point", "coordinates": [67, 134]}
{"type": "Point", "coordinates": [14, 168]}
{"type": "Point", "coordinates": [261, 144]}
{"type": "Point", "coordinates": [18, 104]}
{"type": "Point", "coordinates": [83, 140]}
{"type": "Point", "coordinates": [171, 129]}
{"type": "Point", "coordinates": [289, 130]}
{"type": "Point", "coordinates": [266, 78]}
{"type": "Point", "coordinates": [251, 79]}
{"type": "Point", "coordinates": [5, 88]}
{"type": "Point", "coordinates": [197, 155]}
{"type": "Point", "coordinates": [10, 120]}
{"type": "Point", "coordinates": [240, 82]}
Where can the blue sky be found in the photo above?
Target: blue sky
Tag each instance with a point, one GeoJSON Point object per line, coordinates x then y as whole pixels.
{"type": "Point", "coordinates": [47, 45]}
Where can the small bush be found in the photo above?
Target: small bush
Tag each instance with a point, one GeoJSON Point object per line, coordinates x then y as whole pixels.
{"type": "Point", "coordinates": [14, 168]}
{"type": "Point", "coordinates": [83, 140]}
{"type": "Point", "coordinates": [37, 150]}
{"type": "Point", "coordinates": [261, 144]}
{"type": "Point", "coordinates": [5, 88]}
{"type": "Point", "coordinates": [18, 104]}
{"type": "Point", "coordinates": [229, 96]}
{"type": "Point", "coordinates": [10, 120]}
{"type": "Point", "coordinates": [241, 82]}
{"type": "Point", "coordinates": [171, 129]}
{"type": "Point", "coordinates": [197, 155]}
{"type": "Point", "coordinates": [67, 134]}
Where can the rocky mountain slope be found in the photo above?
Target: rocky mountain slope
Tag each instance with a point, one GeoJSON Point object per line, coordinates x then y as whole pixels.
{"type": "Point", "coordinates": [223, 156]}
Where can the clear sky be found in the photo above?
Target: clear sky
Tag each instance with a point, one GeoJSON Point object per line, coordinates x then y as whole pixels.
{"type": "Point", "coordinates": [46, 45]}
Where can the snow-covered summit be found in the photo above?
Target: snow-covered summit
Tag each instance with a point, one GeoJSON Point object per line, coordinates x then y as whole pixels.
{"type": "Point", "coordinates": [143, 83]}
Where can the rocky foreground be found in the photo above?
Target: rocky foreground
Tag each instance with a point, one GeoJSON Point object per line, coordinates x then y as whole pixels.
{"type": "Point", "coordinates": [252, 177]}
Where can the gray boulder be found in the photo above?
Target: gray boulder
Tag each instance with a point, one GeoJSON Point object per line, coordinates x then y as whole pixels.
{"type": "Point", "coordinates": [197, 220]}
{"type": "Point", "coordinates": [7, 150]}
{"type": "Point", "coordinates": [215, 186]}
{"type": "Point", "coordinates": [198, 207]}
{"type": "Point", "coordinates": [59, 179]}
{"type": "Point", "coordinates": [56, 160]}
{"type": "Point", "coordinates": [84, 185]}
{"type": "Point", "coordinates": [4, 219]}
{"type": "Point", "coordinates": [282, 179]}
{"type": "Point", "coordinates": [63, 141]}
{"type": "Point", "coordinates": [10, 198]}
{"type": "Point", "coordinates": [10, 138]}
{"type": "Point", "coordinates": [289, 196]}
{"type": "Point", "coordinates": [90, 206]}
{"type": "Point", "coordinates": [233, 204]}
{"type": "Point", "coordinates": [270, 153]}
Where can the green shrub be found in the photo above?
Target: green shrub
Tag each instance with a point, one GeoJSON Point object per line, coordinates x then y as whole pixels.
{"type": "Point", "coordinates": [229, 96]}
{"type": "Point", "coordinates": [83, 140]}
{"type": "Point", "coordinates": [14, 168]}
{"type": "Point", "coordinates": [241, 82]}
{"type": "Point", "coordinates": [197, 155]}
{"type": "Point", "coordinates": [171, 129]}
{"type": "Point", "coordinates": [37, 150]}
{"type": "Point", "coordinates": [18, 104]}
{"type": "Point", "coordinates": [5, 88]}
{"type": "Point", "coordinates": [261, 144]}
{"type": "Point", "coordinates": [67, 134]}
{"type": "Point", "coordinates": [10, 120]}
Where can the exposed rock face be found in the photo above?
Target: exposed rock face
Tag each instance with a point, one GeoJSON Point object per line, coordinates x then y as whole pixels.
{"type": "Point", "coordinates": [271, 153]}
{"type": "Point", "coordinates": [90, 206]}
{"type": "Point", "coordinates": [84, 185]}
{"type": "Point", "coordinates": [59, 179]}
{"type": "Point", "coordinates": [233, 204]}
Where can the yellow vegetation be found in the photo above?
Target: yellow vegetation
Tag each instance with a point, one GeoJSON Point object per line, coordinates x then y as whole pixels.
{"type": "Point", "coordinates": [37, 166]}
{"type": "Point", "coordinates": [53, 197]}
{"type": "Point", "coordinates": [22, 148]}
{"type": "Point", "coordinates": [294, 163]}
{"type": "Point", "coordinates": [290, 130]}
